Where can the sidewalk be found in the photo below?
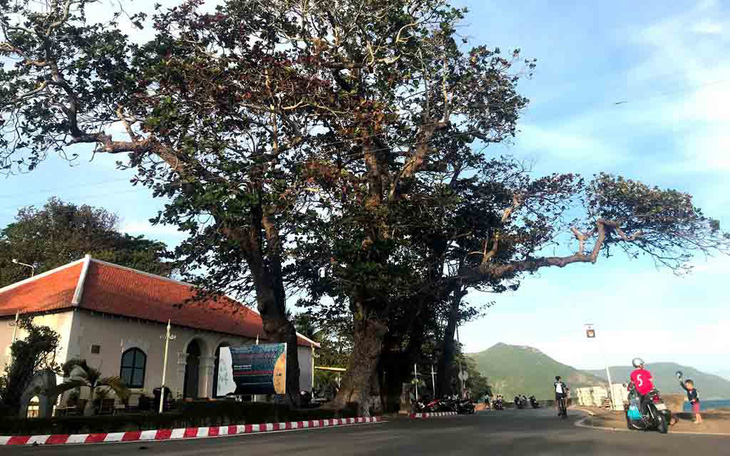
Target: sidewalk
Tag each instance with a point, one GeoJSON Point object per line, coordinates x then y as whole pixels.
{"type": "Point", "coordinates": [715, 422]}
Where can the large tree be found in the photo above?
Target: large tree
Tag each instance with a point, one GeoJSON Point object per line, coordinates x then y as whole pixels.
{"type": "Point", "coordinates": [61, 232]}
{"type": "Point", "coordinates": [295, 137]}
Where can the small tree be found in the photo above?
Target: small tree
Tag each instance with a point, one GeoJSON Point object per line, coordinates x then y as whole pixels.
{"type": "Point", "coordinates": [31, 355]}
{"type": "Point", "coordinates": [80, 375]}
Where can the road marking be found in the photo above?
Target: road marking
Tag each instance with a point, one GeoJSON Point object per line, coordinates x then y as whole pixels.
{"type": "Point", "coordinates": [580, 423]}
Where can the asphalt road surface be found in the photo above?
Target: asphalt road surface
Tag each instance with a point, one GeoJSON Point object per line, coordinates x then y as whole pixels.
{"type": "Point", "coordinates": [519, 432]}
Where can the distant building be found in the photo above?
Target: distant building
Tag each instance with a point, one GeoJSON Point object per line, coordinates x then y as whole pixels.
{"type": "Point", "coordinates": [597, 396]}
{"type": "Point", "coordinates": [114, 317]}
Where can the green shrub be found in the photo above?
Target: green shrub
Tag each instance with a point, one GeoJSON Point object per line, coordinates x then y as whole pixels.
{"type": "Point", "coordinates": [190, 414]}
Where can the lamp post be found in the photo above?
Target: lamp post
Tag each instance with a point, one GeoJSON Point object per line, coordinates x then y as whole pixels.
{"type": "Point", "coordinates": [462, 375]}
{"type": "Point", "coordinates": [15, 326]}
{"type": "Point", "coordinates": [433, 381]}
{"type": "Point", "coordinates": [591, 334]}
{"type": "Point", "coordinates": [168, 337]}
{"type": "Point", "coordinates": [32, 268]}
{"type": "Point", "coordinates": [415, 376]}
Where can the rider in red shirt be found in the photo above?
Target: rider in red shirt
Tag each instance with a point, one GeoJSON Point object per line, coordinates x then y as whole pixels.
{"type": "Point", "coordinates": [642, 380]}
{"type": "Point", "coordinates": [641, 377]}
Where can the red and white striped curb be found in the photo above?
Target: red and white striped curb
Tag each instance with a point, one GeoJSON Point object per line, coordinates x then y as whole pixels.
{"type": "Point", "coordinates": [177, 434]}
{"type": "Point", "coordinates": [432, 415]}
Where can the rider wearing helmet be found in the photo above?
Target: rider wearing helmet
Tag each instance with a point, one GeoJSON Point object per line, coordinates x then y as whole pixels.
{"type": "Point", "coordinates": [643, 381]}
{"type": "Point", "coordinates": [561, 391]}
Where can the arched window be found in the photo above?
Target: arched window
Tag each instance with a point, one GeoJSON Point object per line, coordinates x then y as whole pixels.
{"type": "Point", "coordinates": [34, 407]}
{"type": "Point", "coordinates": [133, 366]}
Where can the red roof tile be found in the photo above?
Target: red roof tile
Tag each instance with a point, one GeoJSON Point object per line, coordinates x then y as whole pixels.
{"type": "Point", "coordinates": [50, 291]}
{"type": "Point", "coordinates": [117, 290]}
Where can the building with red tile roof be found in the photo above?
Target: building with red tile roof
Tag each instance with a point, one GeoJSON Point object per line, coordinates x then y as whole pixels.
{"type": "Point", "coordinates": [114, 317]}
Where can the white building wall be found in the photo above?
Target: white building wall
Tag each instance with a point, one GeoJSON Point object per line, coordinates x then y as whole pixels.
{"type": "Point", "coordinates": [60, 322]}
{"type": "Point", "coordinates": [80, 329]}
{"type": "Point", "coordinates": [115, 335]}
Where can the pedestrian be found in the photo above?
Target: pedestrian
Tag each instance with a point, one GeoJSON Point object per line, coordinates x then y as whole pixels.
{"type": "Point", "coordinates": [693, 398]}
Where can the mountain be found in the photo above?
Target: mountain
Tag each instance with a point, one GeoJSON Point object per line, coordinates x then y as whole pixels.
{"type": "Point", "coordinates": [514, 369]}
{"type": "Point", "coordinates": [723, 374]}
{"type": "Point", "coordinates": [709, 386]}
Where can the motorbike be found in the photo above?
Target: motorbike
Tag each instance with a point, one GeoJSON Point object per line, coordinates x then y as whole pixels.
{"type": "Point", "coordinates": [655, 416]}
{"type": "Point", "coordinates": [518, 403]}
{"type": "Point", "coordinates": [498, 404]}
{"type": "Point", "coordinates": [534, 403]}
{"type": "Point", "coordinates": [441, 405]}
{"type": "Point", "coordinates": [418, 407]}
{"type": "Point", "coordinates": [465, 407]}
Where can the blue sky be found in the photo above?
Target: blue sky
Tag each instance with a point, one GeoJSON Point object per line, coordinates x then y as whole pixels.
{"type": "Point", "coordinates": [668, 62]}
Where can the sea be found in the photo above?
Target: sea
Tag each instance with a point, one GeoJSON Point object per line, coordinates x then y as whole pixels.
{"type": "Point", "coordinates": [709, 405]}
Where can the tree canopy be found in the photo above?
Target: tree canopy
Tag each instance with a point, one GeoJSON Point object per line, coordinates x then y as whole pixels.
{"type": "Point", "coordinates": [61, 232]}
{"type": "Point", "coordinates": [341, 149]}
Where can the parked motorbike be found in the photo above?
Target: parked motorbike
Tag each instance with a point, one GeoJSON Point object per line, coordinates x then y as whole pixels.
{"type": "Point", "coordinates": [441, 405]}
{"type": "Point", "coordinates": [518, 403]}
{"type": "Point", "coordinates": [534, 403]}
{"type": "Point", "coordinates": [655, 415]}
{"type": "Point", "coordinates": [465, 407]}
{"type": "Point", "coordinates": [418, 407]}
{"type": "Point", "coordinates": [498, 404]}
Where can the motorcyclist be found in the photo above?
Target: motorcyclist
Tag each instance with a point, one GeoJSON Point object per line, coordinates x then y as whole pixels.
{"type": "Point", "coordinates": [643, 382]}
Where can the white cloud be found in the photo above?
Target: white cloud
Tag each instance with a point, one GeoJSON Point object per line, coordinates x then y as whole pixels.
{"type": "Point", "coordinates": [688, 61]}
{"type": "Point", "coordinates": [149, 230]}
{"type": "Point", "coordinates": [569, 141]}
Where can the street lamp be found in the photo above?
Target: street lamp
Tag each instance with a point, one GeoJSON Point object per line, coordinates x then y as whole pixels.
{"type": "Point", "coordinates": [168, 337]}
{"type": "Point", "coordinates": [32, 268]}
{"type": "Point", "coordinates": [591, 334]}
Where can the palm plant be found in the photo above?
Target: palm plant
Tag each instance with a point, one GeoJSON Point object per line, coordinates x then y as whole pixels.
{"type": "Point", "coordinates": [79, 374]}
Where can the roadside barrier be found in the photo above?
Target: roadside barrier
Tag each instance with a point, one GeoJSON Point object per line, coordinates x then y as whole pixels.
{"type": "Point", "coordinates": [432, 415]}
{"type": "Point", "coordinates": [157, 435]}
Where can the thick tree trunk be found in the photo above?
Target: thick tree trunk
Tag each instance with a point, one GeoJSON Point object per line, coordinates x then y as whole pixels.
{"type": "Point", "coordinates": [264, 262]}
{"type": "Point", "coordinates": [443, 375]}
{"type": "Point", "coordinates": [277, 328]}
{"type": "Point", "coordinates": [360, 380]}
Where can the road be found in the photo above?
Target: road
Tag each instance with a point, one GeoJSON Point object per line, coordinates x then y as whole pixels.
{"type": "Point", "coordinates": [520, 432]}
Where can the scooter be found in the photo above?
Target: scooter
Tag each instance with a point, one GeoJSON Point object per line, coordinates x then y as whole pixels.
{"type": "Point", "coordinates": [534, 403]}
{"type": "Point", "coordinates": [418, 407]}
{"type": "Point", "coordinates": [655, 415]}
{"type": "Point", "coordinates": [498, 404]}
{"type": "Point", "coordinates": [518, 403]}
{"type": "Point", "coordinates": [465, 407]}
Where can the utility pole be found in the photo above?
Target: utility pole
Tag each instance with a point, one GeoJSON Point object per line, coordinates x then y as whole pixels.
{"type": "Point", "coordinates": [433, 381]}
{"type": "Point", "coordinates": [591, 334]}
{"type": "Point", "coordinates": [461, 371]}
{"type": "Point", "coordinates": [168, 337]}
{"type": "Point", "coordinates": [15, 327]}
{"type": "Point", "coordinates": [415, 375]}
